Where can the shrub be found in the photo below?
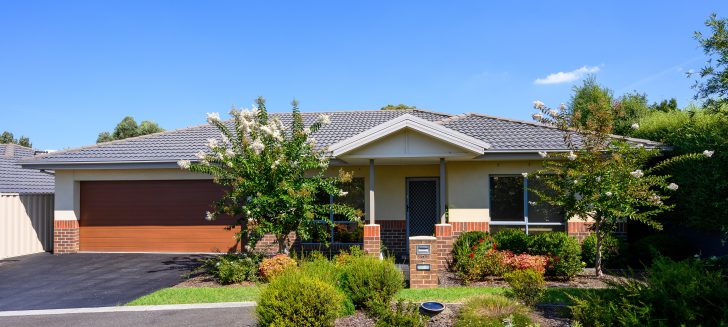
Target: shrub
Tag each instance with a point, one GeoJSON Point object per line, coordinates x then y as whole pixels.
{"type": "Point", "coordinates": [297, 299]}
{"type": "Point", "coordinates": [513, 240]}
{"type": "Point", "coordinates": [491, 311]}
{"type": "Point", "coordinates": [474, 257]}
{"type": "Point", "coordinates": [232, 268]}
{"type": "Point", "coordinates": [673, 294]}
{"type": "Point", "coordinates": [403, 315]}
{"type": "Point", "coordinates": [564, 253]}
{"type": "Point", "coordinates": [527, 286]}
{"type": "Point", "coordinates": [468, 242]}
{"type": "Point", "coordinates": [367, 279]}
{"type": "Point", "coordinates": [611, 248]}
{"type": "Point", "coordinates": [345, 257]}
{"type": "Point", "coordinates": [272, 267]}
{"type": "Point", "coordinates": [525, 261]}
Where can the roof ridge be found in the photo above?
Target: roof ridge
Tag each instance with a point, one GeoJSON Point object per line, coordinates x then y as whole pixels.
{"type": "Point", "coordinates": [95, 145]}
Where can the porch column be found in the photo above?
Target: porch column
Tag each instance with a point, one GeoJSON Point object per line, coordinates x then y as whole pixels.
{"type": "Point", "coordinates": [443, 194]}
{"type": "Point", "coordinates": [372, 239]}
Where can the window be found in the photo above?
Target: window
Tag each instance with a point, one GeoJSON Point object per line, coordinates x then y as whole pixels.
{"type": "Point", "coordinates": [343, 231]}
{"type": "Point", "coordinates": [514, 204]}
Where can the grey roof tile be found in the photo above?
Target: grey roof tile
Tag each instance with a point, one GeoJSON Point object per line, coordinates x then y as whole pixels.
{"type": "Point", "coordinates": [501, 133]}
{"type": "Point", "coordinates": [14, 179]}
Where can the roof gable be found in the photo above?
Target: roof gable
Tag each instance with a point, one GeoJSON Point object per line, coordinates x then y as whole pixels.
{"type": "Point", "coordinates": [408, 121]}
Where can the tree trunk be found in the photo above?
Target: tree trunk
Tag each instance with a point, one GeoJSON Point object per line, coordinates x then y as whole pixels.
{"type": "Point", "coordinates": [598, 259]}
{"type": "Point", "coordinates": [282, 248]}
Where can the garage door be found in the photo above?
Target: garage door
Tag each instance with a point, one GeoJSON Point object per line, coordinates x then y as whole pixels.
{"type": "Point", "coordinates": [151, 216]}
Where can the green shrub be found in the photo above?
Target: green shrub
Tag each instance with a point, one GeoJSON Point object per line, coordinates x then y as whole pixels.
{"type": "Point", "coordinates": [491, 311]}
{"type": "Point", "coordinates": [513, 240]}
{"type": "Point", "coordinates": [674, 294]}
{"type": "Point", "coordinates": [528, 286]}
{"type": "Point", "coordinates": [233, 268]}
{"type": "Point", "coordinates": [611, 250]}
{"type": "Point", "coordinates": [297, 299]}
{"type": "Point", "coordinates": [474, 258]}
{"type": "Point", "coordinates": [663, 244]}
{"type": "Point", "coordinates": [564, 253]}
{"type": "Point", "coordinates": [367, 279]}
{"type": "Point", "coordinates": [403, 315]}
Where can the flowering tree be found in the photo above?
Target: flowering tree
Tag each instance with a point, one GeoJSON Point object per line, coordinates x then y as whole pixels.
{"type": "Point", "coordinates": [272, 175]}
{"type": "Point", "coordinates": [603, 179]}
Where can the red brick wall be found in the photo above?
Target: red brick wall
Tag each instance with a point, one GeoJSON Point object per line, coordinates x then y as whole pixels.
{"type": "Point", "coordinates": [394, 236]}
{"type": "Point", "coordinates": [65, 236]}
{"type": "Point", "coordinates": [372, 239]}
{"type": "Point", "coordinates": [443, 245]}
{"type": "Point", "coordinates": [580, 229]}
{"type": "Point", "coordinates": [460, 227]}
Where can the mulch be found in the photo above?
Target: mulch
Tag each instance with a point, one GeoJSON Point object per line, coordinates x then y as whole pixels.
{"type": "Point", "coordinates": [585, 279]}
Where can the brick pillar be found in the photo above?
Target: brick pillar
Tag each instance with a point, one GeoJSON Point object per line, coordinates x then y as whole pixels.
{"type": "Point", "coordinates": [578, 229]}
{"type": "Point", "coordinates": [372, 239]}
{"type": "Point", "coordinates": [65, 236]}
{"type": "Point", "coordinates": [443, 245]}
{"type": "Point", "coordinates": [423, 267]}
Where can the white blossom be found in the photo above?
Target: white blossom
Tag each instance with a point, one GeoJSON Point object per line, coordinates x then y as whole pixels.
{"type": "Point", "coordinates": [209, 216]}
{"type": "Point", "coordinates": [637, 173]}
{"type": "Point", "coordinates": [325, 119]}
{"type": "Point", "coordinates": [311, 141]}
{"type": "Point", "coordinates": [343, 193]}
{"type": "Point", "coordinates": [276, 163]}
{"type": "Point", "coordinates": [708, 153]}
{"type": "Point", "coordinates": [229, 152]}
{"type": "Point", "coordinates": [201, 155]}
{"type": "Point", "coordinates": [184, 164]}
{"type": "Point", "coordinates": [533, 203]}
{"type": "Point", "coordinates": [224, 139]}
{"type": "Point", "coordinates": [212, 143]}
{"type": "Point", "coordinates": [524, 175]}
{"type": "Point", "coordinates": [599, 178]}
{"type": "Point", "coordinates": [553, 113]}
{"type": "Point", "coordinates": [672, 187]}
{"type": "Point", "coordinates": [608, 194]}
{"type": "Point", "coordinates": [213, 117]}
{"type": "Point", "coordinates": [543, 154]}
{"type": "Point", "coordinates": [571, 156]}
{"type": "Point", "coordinates": [635, 126]}
{"type": "Point", "coordinates": [562, 106]}
{"type": "Point", "coordinates": [306, 131]}
{"type": "Point", "coordinates": [257, 146]}
{"type": "Point", "coordinates": [656, 199]}
{"type": "Point", "coordinates": [537, 116]}
{"type": "Point", "coordinates": [538, 105]}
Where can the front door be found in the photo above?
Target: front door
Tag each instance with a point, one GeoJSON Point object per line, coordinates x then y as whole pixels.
{"type": "Point", "coordinates": [422, 206]}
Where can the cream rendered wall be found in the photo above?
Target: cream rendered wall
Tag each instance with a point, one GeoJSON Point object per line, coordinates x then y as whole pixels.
{"type": "Point", "coordinates": [68, 190]}
{"type": "Point", "coordinates": [468, 189]}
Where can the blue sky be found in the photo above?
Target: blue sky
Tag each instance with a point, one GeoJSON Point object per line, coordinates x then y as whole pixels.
{"type": "Point", "coordinates": [71, 69]}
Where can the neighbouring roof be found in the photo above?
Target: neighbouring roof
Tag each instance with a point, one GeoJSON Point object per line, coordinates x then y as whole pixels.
{"type": "Point", "coordinates": [503, 135]}
{"type": "Point", "coordinates": [14, 179]}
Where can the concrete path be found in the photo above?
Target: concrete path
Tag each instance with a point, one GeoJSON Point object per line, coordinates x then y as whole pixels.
{"type": "Point", "coordinates": [46, 281]}
{"type": "Point", "coordinates": [228, 316]}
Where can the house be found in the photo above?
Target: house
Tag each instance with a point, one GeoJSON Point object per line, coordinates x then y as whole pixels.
{"type": "Point", "coordinates": [416, 173]}
{"type": "Point", "coordinates": [26, 205]}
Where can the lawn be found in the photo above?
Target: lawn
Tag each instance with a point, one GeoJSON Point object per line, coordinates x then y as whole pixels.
{"type": "Point", "coordinates": [242, 294]}
{"type": "Point", "coordinates": [177, 295]}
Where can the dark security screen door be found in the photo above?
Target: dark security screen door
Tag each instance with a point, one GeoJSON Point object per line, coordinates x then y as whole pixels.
{"type": "Point", "coordinates": [422, 206]}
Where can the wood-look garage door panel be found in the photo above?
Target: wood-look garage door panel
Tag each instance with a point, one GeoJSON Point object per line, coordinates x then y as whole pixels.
{"type": "Point", "coordinates": [152, 216]}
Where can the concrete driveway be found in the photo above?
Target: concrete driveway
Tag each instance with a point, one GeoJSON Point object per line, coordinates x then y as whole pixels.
{"type": "Point", "coordinates": [45, 281]}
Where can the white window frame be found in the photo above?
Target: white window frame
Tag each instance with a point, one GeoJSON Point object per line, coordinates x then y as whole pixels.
{"type": "Point", "coordinates": [524, 223]}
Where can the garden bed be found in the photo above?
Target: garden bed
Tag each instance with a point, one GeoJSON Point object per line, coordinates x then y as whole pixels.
{"type": "Point", "coordinates": [585, 279]}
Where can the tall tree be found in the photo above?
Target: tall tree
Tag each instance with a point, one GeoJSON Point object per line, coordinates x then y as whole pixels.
{"type": "Point", "coordinates": [629, 109]}
{"type": "Point", "coordinates": [588, 99]}
{"type": "Point", "coordinates": [8, 138]}
{"type": "Point", "coordinates": [712, 85]}
{"type": "Point", "coordinates": [272, 175]}
{"type": "Point", "coordinates": [127, 128]}
{"type": "Point", "coordinates": [602, 180]}
{"type": "Point", "coordinates": [400, 106]}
